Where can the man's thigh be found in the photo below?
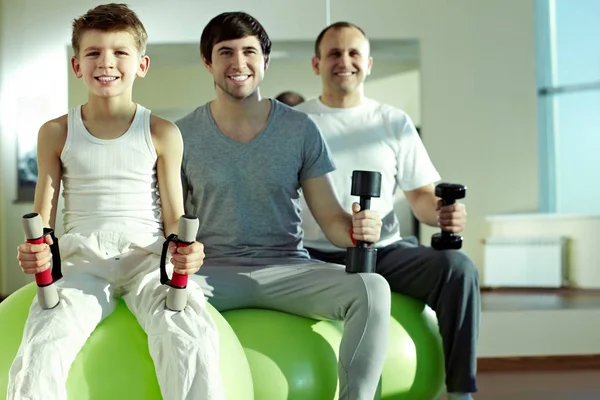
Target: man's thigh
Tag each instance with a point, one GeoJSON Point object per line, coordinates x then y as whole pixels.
{"type": "Point", "coordinates": [410, 268]}
{"type": "Point", "coordinates": [312, 289]}
{"type": "Point", "coordinates": [315, 290]}
{"type": "Point", "coordinates": [419, 271]}
{"type": "Point", "coordinates": [226, 287]}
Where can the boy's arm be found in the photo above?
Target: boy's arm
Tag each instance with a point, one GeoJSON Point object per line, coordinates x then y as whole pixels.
{"type": "Point", "coordinates": [35, 258]}
{"type": "Point", "coordinates": [169, 149]}
{"type": "Point", "coordinates": [335, 222]}
{"type": "Point", "coordinates": [51, 140]}
{"type": "Point", "coordinates": [168, 143]}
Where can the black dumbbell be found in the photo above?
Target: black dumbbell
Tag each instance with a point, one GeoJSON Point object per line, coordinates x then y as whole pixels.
{"type": "Point", "coordinates": [362, 258]}
{"type": "Point", "coordinates": [448, 193]}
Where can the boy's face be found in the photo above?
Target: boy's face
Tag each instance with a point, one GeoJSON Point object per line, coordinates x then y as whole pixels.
{"type": "Point", "coordinates": [238, 66]}
{"type": "Point", "coordinates": [109, 62]}
{"type": "Point", "coordinates": [344, 61]}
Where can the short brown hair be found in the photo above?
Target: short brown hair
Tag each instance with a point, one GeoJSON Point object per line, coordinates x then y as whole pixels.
{"type": "Point", "coordinates": [335, 26]}
{"type": "Point", "coordinates": [110, 18]}
{"type": "Point", "coordinates": [230, 26]}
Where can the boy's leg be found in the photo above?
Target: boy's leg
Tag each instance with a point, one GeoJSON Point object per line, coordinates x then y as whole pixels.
{"type": "Point", "coordinates": [326, 291]}
{"type": "Point", "coordinates": [184, 345]}
{"type": "Point", "coordinates": [448, 282]}
{"type": "Point", "coordinates": [53, 338]}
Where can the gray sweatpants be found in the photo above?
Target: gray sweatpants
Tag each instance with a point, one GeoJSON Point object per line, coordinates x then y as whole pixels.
{"type": "Point", "coordinates": [447, 281]}
{"type": "Point", "coordinates": [314, 290]}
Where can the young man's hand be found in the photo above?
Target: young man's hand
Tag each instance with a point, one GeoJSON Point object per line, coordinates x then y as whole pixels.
{"type": "Point", "coordinates": [35, 258]}
{"type": "Point", "coordinates": [452, 218]}
{"type": "Point", "coordinates": [187, 260]}
{"type": "Point", "coordinates": [366, 224]}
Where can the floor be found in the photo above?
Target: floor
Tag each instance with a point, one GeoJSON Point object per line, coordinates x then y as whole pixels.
{"type": "Point", "coordinates": [560, 385]}
{"type": "Point", "coordinates": [555, 385]}
{"type": "Point", "coordinates": [537, 299]}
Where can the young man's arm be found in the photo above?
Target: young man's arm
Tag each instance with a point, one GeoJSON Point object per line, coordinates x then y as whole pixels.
{"type": "Point", "coordinates": [335, 222]}
{"type": "Point", "coordinates": [169, 149]}
{"type": "Point", "coordinates": [51, 140]}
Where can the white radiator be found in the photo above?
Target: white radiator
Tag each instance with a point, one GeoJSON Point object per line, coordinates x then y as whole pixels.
{"type": "Point", "coordinates": [525, 262]}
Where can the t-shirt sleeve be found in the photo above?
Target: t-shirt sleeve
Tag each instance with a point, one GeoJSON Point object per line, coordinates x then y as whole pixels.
{"type": "Point", "coordinates": [184, 128]}
{"type": "Point", "coordinates": [415, 168]}
{"type": "Point", "coordinates": [184, 186]}
{"type": "Point", "coordinates": [316, 156]}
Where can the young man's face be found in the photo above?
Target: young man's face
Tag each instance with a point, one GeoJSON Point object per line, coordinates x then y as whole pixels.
{"type": "Point", "coordinates": [344, 61]}
{"type": "Point", "coordinates": [238, 66]}
{"type": "Point", "coordinates": [109, 62]}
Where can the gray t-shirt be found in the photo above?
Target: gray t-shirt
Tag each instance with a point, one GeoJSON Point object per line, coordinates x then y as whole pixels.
{"type": "Point", "coordinates": [247, 195]}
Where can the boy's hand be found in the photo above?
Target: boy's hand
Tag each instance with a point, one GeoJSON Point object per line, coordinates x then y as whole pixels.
{"type": "Point", "coordinates": [366, 224]}
{"type": "Point", "coordinates": [35, 258]}
{"type": "Point", "coordinates": [187, 260]}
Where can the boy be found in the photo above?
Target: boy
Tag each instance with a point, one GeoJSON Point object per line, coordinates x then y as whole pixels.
{"type": "Point", "coordinates": [245, 161]}
{"type": "Point", "coordinates": [120, 169]}
{"type": "Point", "coordinates": [364, 134]}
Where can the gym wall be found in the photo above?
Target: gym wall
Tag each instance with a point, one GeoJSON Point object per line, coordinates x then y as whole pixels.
{"type": "Point", "coordinates": [477, 92]}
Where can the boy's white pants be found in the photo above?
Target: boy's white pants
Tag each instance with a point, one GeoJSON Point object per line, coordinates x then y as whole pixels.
{"type": "Point", "coordinates": [98, 269]}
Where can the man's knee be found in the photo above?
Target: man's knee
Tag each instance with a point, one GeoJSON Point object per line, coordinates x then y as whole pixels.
{"type": "Point", "coordinates": [458, 266]}
{"type": "Point", "coordinates": [377, 294]}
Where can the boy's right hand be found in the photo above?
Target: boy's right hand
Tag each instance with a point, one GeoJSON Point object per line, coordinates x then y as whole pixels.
{"type": "Point", "coordinates": [35, 258]}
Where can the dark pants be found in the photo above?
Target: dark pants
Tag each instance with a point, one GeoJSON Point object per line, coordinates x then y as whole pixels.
{"type": "Point", "coordinates": [447, 281]}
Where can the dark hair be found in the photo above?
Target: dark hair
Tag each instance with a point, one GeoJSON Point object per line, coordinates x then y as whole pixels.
{"type": "Point", "coordinates": [335, 25]}
{"type": "Point", "coordinates": [231, 26]}
{"type": "Point", "coordinates": [290, 98]}
{"type": "Point", "coordinates": [111, 17]}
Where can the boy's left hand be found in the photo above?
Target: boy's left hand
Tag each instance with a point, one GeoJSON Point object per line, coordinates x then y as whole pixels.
{"type": "Point", "coordinates": [187, 260]}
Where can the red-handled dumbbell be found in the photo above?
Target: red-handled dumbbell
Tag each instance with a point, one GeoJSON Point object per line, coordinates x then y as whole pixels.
{"type": "Point", "coordinates": [35, 234]}
{"type": "Point", "coordinates": [186, 234]}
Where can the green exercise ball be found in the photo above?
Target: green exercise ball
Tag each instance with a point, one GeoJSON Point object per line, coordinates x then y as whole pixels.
{"type": "Point", "coordinates": [414, 365]}
{"type": "Point", "coordinates": [97, 375]}
{"type": "Point", "coordinates": [291, 357]}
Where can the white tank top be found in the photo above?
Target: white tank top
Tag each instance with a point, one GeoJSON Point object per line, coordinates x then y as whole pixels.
{"type": "Point", "coordinates": [110, 185]}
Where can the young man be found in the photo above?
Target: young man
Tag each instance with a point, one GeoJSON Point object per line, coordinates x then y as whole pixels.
{"type": "Point", "coordinates": [120, 167]}
{"type": "Point", "coordinates": [364, 134]}
{"type": "Point", "coordinates": [245, 161]}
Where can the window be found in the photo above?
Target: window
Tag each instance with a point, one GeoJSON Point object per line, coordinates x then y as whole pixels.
{"type": "Point", "coordinates": [568, 70]}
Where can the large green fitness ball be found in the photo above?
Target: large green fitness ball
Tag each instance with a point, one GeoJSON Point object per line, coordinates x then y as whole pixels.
{"type": "Point", "coordinates": [295, 358]}
{"type": "Point", "coordinates": [291, 357]}
{"type": "Point", "coordinates": [115, 362]}
{"type": "Point", "coordinates": [414, 366]}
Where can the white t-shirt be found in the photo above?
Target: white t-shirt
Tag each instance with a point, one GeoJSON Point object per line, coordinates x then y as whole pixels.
{"type": "Point", "coordinates": [373, 137]}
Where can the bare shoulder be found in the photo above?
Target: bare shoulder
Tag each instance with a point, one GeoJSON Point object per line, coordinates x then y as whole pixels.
{"type": "Point", "coordinates": [54, 132]}
{"type": "Point", "coordinates": [162, 128]}
{"type": "Point", "coordinates": [165, 134]}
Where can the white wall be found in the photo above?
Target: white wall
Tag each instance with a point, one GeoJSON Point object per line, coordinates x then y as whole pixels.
{"type": "Point", "coordinates": [185, 86]}
{"type": "Point", "coordinates": [477, 66]}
